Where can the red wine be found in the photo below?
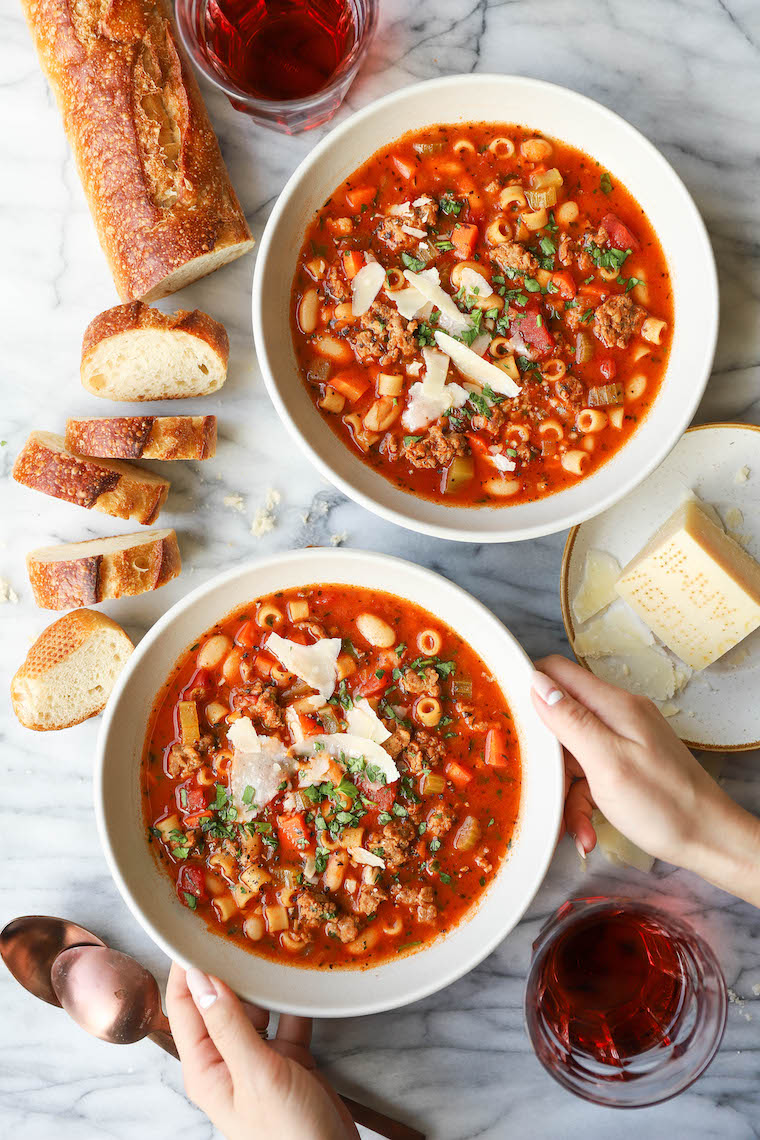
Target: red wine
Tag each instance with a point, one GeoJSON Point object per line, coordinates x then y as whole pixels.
{"type": "Point", "coordinates": [612, 986]}
{"type": "Point", "coordinates": [279, 49]}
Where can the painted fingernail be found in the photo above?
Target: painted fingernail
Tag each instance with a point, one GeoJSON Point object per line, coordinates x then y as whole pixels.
{"type": "Point", "coordinates": [546, 689]}
{"type": "Point", "coordinates": [579, 847]}
{"type": "Point", "coordinates": [201, 987]}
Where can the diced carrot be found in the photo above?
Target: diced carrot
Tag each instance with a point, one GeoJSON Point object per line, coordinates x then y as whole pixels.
{"type": "Point", "coordinates": [463, 237]}
{"type": "Point", "coordinates": [264, 663]}
{"type": "Point", "coordinates": [496, 747]}
{"type": "Point", "coordinates": [293, 835]}
{"type": "Point", "coordinates": [351, 383]}
{"type": "Point", "coordinates": [194, 819]}
{"type": "Point", "coordinates": [359, 196]}
{"type": "Point", "coordinates": [247, 635]}
{"type": "Point", "coordinates": [459, 776]}
{"type": "Point", "coordinates": [565, 283]}
{"type": "Point", "coordinates": [368, 684]}
{"type": "Point", "coordinates": [402, 166]}
{"type": "Point", "coordinates": [595, 290]}
{"type": "Point", "coordinates": [352, 263]}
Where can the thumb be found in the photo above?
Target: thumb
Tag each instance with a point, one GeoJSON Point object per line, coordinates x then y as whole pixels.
{"type": "Point", "coordinates": [575, 726]}
{"type": "Point", "coordinates": [228, 1026]}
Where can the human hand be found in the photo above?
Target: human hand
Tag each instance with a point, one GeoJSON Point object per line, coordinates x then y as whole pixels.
{"type": "Point", "coordinates": [247, 1088]}
{"type": "Point", "coordinates": [622, 756]}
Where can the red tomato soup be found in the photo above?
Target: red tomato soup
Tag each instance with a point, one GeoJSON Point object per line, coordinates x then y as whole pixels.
{"type": "Point", "coordinates": [331, 777]}
{"type": "Point", "coordinates": [482, 315]}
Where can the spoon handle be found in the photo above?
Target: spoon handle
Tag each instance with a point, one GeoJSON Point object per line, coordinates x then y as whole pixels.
{"type": "Point", "coordinates": [164, 1041]}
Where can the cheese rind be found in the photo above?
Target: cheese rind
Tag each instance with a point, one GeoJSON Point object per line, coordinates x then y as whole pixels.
{"type": "Point", "coordinates": [695, 587]}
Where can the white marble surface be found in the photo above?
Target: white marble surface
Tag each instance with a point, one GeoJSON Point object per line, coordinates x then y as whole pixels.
{"type": "Point", "coordinates": [458, 1064]}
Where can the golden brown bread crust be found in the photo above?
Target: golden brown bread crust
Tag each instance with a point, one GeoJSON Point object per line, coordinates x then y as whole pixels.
{"type": "Point", "coordinates": [148, 564]}
{"type": "Point", "coordinates": [136, 315]}
{"type": "Point", "coordinates": [144, 437]}
{"type": "Point", "coordinates": [148, 158]}
{"type": "Point", "coordinates": [115, 488]}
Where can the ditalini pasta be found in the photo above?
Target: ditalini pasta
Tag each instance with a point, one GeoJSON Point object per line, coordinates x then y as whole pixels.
{"type": "Point", "coordinates": [541, 267]}
{"type": "Point", "coordinates": [331, 777]}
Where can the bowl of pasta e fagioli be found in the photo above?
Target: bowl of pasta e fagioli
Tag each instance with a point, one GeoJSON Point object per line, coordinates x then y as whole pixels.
{"type": "Point", "coordinates": [321, 778]}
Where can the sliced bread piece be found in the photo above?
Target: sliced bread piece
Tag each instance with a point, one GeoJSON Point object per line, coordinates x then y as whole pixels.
{"type": "Point", "coordinates": [85, 573]}
{"type": "Point", "coordinates": [133, 352]}
{"type": "Point", "coordinates": [119, 489]}
{"type": "Point", "coordinates": [70, 671]}
{"type": "Point", "coordinates": [144, 437]}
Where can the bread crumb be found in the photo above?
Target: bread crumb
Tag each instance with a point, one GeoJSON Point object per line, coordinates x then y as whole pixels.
{"type": "Point", "coordinates": [742, 475]}
{"type": "Point", "coordinates": [265, 518]}
{"type": "Point", "coordinates": [338, 539]}
{"type": "Point", "coordinates": [7, 593]}
{"type": "Point", "coordinates": [739, 1002]}
{"type": "Point", "coordinates": [756, 989]}
{"type": "Point", "coordinates": [734, 520]}
{"type": "Point", "coordinates": [234, 502]}
{"type": "Point", "coordinates": [669, 709]}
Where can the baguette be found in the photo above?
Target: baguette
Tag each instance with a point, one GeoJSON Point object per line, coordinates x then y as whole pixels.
{"type": "Point", "coordinates": [70, 671]}
{"type": "Point", "coordinates": [158, 190]}
{"type": "Point", "coordinates": [85, 573]}
{"type": "Point", "coordinates": [144, 437]}
{"type": "Point", "coordinates": [133, 352]}
{"type": "Point", "coordinates": [107, 485]}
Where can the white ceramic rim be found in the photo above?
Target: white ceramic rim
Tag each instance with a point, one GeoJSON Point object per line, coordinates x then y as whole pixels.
{"type": "Point", "coordinates": [708, 320]}
{"type": "Point", "coordinates": [551, 778]}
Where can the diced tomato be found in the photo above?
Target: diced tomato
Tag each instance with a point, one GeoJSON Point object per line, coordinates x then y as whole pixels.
{"type": "Point", "coordinates": [247, 635]}
{"type": "Point", "coordinates": [359, 196]}
{"type": "Point", "coordinates": [293, 834]}
{"type": "Point", "coordinates": [619, 234]}
{"type": "Point", "coordinates": [191, 880]}
{"type": "Point", "coordinates": [595, 291]}
{"type": "Point", "coordinates": [565, 282]}
{"type": "Point", "coordinates": [194, 819]}
{"type": "Point", "coordinates": [264, 663]}
{"type": "Point", "coordinates": [608, 368]}
{"type": "Point", "coordinates": [193, 799]}
{"type": "Point", "coordinates": [464, 237]}
{"type": "Point", "coordinates": [352, 262]}
{"type": "Point", "coordinates": [310, 726]}
{"type": "Point", "coordinates": [496, 746]}
{"type": "Point", "coordinates": [199, 680]}
{"type": "Point", "coordinates": [368, 684]}
{"type": "Point", "coordinates": [402, 166]}
{"type": "Point", "coordinates": [531, 326]}
{"type": "Point", "coordinates": [459, 776]}
{"type": "Point", "coordinates": [384, 797]}
{"type": "Point", "coordinates": [351, 383]}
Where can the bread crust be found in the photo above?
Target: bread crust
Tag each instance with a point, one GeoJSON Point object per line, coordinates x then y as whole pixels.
{"type": "Point", "coordinates": [103, 573]}
{"type": "Point", "coordinates": [115, 488]}
{"type": "Point", "coordinates": [137, 316]}
{"type": "Point", "coordinates": [148, 158]}
{"type": "Point", "coordinates": [61, 639]}
{"type": "Point", "coordinates": [144, 437]}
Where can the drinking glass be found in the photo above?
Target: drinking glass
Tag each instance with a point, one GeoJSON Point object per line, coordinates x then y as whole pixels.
{"type": "Point", "coordinates": [286, 63]}
{"type": "Point", "coordinates": [625, 1005]}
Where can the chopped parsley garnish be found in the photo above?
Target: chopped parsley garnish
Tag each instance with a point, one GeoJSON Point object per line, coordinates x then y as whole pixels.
{"type": "Point", "coordinates": [445, 878]}
{"type": "Point", "coordinates": [548, 248]}
{"type": "Point", "coordinates": [480, 404]}
{"type": "Point", "coordinates": [435, 844]}
{"type": "Point", "coordinates": [414, 263]}
{"type": "Point", "coordinates": [444, 244]}
{"type": "Point", "coordinates": [424, 334]}
{"type": "Point", "coordinates": [449, 204]}
{"type": "Point", "coordinates": [531, 285]}
{"type": "Point", "coordinates": [384, 817]}
{"type": "Point", "coordinates": [248, 794]}
{"type": "Point", "coordinates": [607, 258]}
{"type": "Point", "coordinates": [190, 900]}
{"type": "Point", "coordinates": [525, 364]}
{"type": "Point", "coordinates": [605, 183]}
{"type": "Point", "coordinates": [410, 439]}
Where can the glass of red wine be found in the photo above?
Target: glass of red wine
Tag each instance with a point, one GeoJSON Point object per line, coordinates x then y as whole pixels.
{"type": "Point", "coordinates": [286, 63]}
{"type": "Point", "coordinates": [625, 1005]}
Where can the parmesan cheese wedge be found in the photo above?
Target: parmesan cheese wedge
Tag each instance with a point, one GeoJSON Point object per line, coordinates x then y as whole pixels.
{"type": "Point", "coordinates": [365, 286]}
{"type": "Point", "coordinates": [342, 745]}
{"type": "Point", "coordinates": [474, 367]}
{"type": "Point", "coordinates": [616, 848]}
{"type": "Point", "coordinates": [696, 587]}
{"type": "Point", "coordinates": [410, 302]}
{"type": "Point", "coordinates": [597, 589]}
{"type": "Point", "coordinates": [315, 664]}
{"type": "Point", "coordinates": [451, 318]}
{"type": "Point", "coordinates": [474, 283]}
{"type": "Point", "coordinates": [646, 672]}
{"type": "Point", "coordinates": [259, 763]}
{"type": "Point", "coordinates": [362, 720]}
{"type": "Point", "coordinates": [617, 631]}
{"type": "Point", "coordinates": [431, 398]}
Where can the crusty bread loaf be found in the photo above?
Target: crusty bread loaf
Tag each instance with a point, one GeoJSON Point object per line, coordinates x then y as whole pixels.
{"type": "Point", "coordinates": [133, 352]}
{"type": "Point", "coordinates": [119, 489]}
{"type": "Point", "coordinates": [70, 671]}
{"type": "Point", "coordinates": [84, 573]}
{"type": "Point", "coordinates": [144, 437]}
{"type": "Point", "coordinates": [157, 187]}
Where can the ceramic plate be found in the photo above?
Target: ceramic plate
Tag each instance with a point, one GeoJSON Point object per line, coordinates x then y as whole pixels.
{"type": "Point", "coordinates": [718, 709]}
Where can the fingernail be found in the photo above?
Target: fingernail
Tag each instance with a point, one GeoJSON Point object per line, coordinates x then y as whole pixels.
{"type": "Point", "coordinates": [201, 987]}
{"type": "Point", "coordinates": [579, 847]}
{"type": "Point", "coordinates": [546, 689]}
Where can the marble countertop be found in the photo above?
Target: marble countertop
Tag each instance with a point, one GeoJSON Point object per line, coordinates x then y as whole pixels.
{"type": "Point", "coordinates": [458, 1064]}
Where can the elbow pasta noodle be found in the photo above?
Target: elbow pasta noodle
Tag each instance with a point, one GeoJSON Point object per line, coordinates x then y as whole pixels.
{"type": "Point", "coordinates": [332, 401]}
{"type": "Point", "coordinates": [575, 461]}
{"type": "Point", "coordinates": [635, 388]}
{"type": "Point", "coordinates": [615, 416]}
{"type": "Point", "coordinates": [512, 195]}
{"type": "Point", "coordinates": [429, 642]}
{"type": "Point", "coordinates": [393, 926]}
{"type": "Point", "coordinates": [428, 711]}
{"type": "Point", "coordinates": [553, 369]}
{"type": "Point", "coordinates": [522, 431]}
{"type": "Point", "coordinates": [276, 918]}
{"type": "Point", "coordinates": [394, 279]}
{"type": "Point", "coordinates": [269, 615]}
{"type": "Point", "coordinates": [298, 609]}
{"type": "Point", "coordinates": [226, 908]}
{"type": "Point", "coordinates": [502, 147]}
{"type": "Point", "coordinates": [389, 384]}
{"type": "Point", "coordinates": [652, 330]}
{"type": "Point", "coordinates": [463, 147]}
{"type": "Point", "coordinates": [205, 777]}
{"type": "Point", "coordinates": [500, 347]}
{"type": "Point", "coordinates": [281, 675]}
{"type": "Point", "coordinates": [551, 429]}
{"type": "Point", "coordinates": [535, 219]}
{"type": "Point", "coordinates": [499, 231]}
{"type": "Point", "coordinates": [591, 420]}
{"type": "Point", "coordinates": [536, 150]}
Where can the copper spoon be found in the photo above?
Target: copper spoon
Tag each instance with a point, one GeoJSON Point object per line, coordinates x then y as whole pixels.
{"type": "Point", "coordinates": [116, 999]}
{"type": "Point", "coordinates": [29, 945]}
{"type": "Point", "coordinates": [111, 995]}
